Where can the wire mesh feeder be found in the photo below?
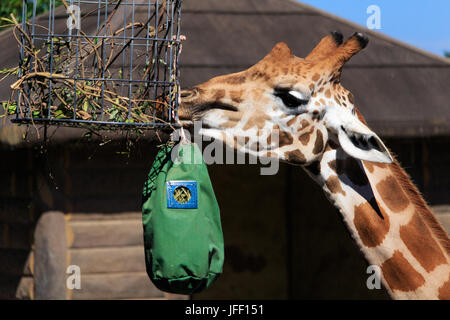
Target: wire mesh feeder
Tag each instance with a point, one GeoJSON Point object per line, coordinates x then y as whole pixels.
{"type": "Point", "coordinates": [99, 64]}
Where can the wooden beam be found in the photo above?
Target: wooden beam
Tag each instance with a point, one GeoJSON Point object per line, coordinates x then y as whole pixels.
{"type": "Point", "coordinates": [50, 257]}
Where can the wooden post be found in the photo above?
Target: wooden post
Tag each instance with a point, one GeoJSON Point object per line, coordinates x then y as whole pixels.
{"type": "Point", "coordinates": [50, 257]}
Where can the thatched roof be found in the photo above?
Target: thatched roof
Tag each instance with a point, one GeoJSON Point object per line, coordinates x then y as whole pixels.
{"type": "Point", "coordinates": [401, 90]}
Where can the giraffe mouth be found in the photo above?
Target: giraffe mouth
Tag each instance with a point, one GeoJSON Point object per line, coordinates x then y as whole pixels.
{"type": "Point", "coordinates": [202, 109]}
{"type": "Point", "coordinates": [197, 112]}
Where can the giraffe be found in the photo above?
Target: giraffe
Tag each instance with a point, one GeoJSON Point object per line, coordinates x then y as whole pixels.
{"type": "Point", "coordinates": [320, 129]}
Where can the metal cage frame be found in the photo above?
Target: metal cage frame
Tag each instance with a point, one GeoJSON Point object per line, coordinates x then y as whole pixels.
{"type": "Point", "coordinates": [126, 51]}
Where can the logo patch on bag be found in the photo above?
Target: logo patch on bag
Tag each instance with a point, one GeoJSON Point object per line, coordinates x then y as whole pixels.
{"type": "Point", "coordinates": [182, 195]}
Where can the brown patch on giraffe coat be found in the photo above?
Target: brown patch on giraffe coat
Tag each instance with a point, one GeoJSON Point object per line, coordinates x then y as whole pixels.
{"type": "Point", "coordinates": [260, 75]}
{"type": "Point", "coordinates": [419, 240]}
{"type": "Point", "coordinates": [292, 121]}
{"type": "Point", "coordinates": [328, 93]}
{"type": "Point", "coordinates": [338, 101]}
{"type": "Point", "coordinates": [304, 138]}
{"type": "Point", "coordinates": [218, 94]}
{"type": "Point", "coordinates": [351, 98]}
{"type": "Point", "coordinates": [315, 77]}
{"type": "Point", "coordinates": [334, 185]}
{"type": "Point", "coordinates": [236, 79]}
{"type": "Point", "coordinates": [258, 120]}
{"type": "Point", "coordinates": [392, 194]}
{"type": "Point", "coordinates": [285, 138]}
{"type": "Point", "coordinates": [372, 228]}
{"type": "Point", "coordinates": [236, 95]}
{"type": "Point", "coordinates": [303, 124]}
{"type": "Point", "coordinates": [444, 291]}
{"type": "Point", "coordinates": [295, 156]}
{"type": "Point", "coordinates": [400, 274]}
{"type": "Point", "coordinates": [332, 165]}
{"type": "Point", "coordinates": [421, 207]}
{"type": "Point", "coordinates": [372, 165]}
{"type": "Point", "coordinates": [318, 145]}
{"type": "Point", "coordinates": [351, 168]}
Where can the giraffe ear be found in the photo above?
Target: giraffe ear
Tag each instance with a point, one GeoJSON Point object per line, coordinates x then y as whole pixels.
{"type": "Point", "coordinates": [356, 138]}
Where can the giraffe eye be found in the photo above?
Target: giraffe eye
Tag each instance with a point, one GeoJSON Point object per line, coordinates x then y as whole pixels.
{"type": "Point", "coordinates": [291, 99]}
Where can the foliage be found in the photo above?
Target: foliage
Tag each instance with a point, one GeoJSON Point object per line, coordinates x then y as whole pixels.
{"type": "Point", "coordinates": [79, 83]}
{"type": "Point", "coordinates": [14, 7]}
{"type": "Point", "coordinates": [447, 54]}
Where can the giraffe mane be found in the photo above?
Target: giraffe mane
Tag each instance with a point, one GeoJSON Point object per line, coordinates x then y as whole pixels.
{"type": "Point", "coordinates": [421, 206]}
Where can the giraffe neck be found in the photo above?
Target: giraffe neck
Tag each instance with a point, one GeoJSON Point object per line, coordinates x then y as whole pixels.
{"type": "Point", "coordinates": [390, 222]}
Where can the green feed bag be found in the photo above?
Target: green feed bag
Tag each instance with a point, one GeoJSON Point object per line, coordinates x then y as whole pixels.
{"type": "Point", "coordinates": [183, 239]}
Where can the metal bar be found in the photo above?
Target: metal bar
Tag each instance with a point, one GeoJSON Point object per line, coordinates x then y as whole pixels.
{"type": "Point", "coordinates": [103, 64]}
{"type": "Point", "coordinates": [51, 30]}
{"type": "Point", "coordinates": [131, 64]}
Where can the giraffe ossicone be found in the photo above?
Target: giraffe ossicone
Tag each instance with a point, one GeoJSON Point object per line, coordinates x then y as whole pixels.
{"type": "Point", "coordinates": [320, 128]}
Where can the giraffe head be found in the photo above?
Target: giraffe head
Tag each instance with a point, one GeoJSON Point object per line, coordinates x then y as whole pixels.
{"type": "Point", "coordinates": [286, 107]}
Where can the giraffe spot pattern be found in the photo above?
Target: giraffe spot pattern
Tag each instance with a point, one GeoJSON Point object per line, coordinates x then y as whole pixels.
{"type": "Point", "coordinates": [236, 96]}
{"type": "Point", "coordinates": [372, 165]}
{"type": "Point", "coordinates": [372, 229]}
{"type": "Point", "coordinates": [304, 138]}
{"type": "Point", "coordinates": [236, 79]}
{"type": "Point", "coordinates": [258, 120]}
{"type": "Point", "coordinates": [295, 156]}
{"type": "Point", "coordinates": [334, 185]}
{"type": "Point", "coordinates": [285, 138]}
{"type": "Point", "coordinates": [444, 291]}
{"type": "Point", "coordinates": [332, 165]}
{"type": "Point", "coordinates": [318, 145]}
{"type": "Point", "coordinates": [392, 194]}
{"type": "Point", "coordinates": [218, 94]}
{"type": "Point", "coordinates": [419, 240]}
{"type": "Point", "coordinates": [400, 274]}
{"type": "Point", "coordinates": [303, 124]}
{"type": "Point", "coordinates": [292, 121]}
{"type": "Point", "coordinates": [315, 77]}
{"type": "Point", "coordinates": [350, 97]}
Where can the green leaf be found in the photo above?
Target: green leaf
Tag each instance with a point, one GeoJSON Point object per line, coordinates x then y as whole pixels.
{"type": "Point", "coordinates": [85, 106]}
{"type": "Point", "coordinates": [12, 109]}
{"type": "Point", "coordinates": [113, 114]}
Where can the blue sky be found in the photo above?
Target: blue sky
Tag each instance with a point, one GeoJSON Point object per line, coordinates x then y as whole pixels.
{"type": "Point", "coordinates": [424, 24]}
